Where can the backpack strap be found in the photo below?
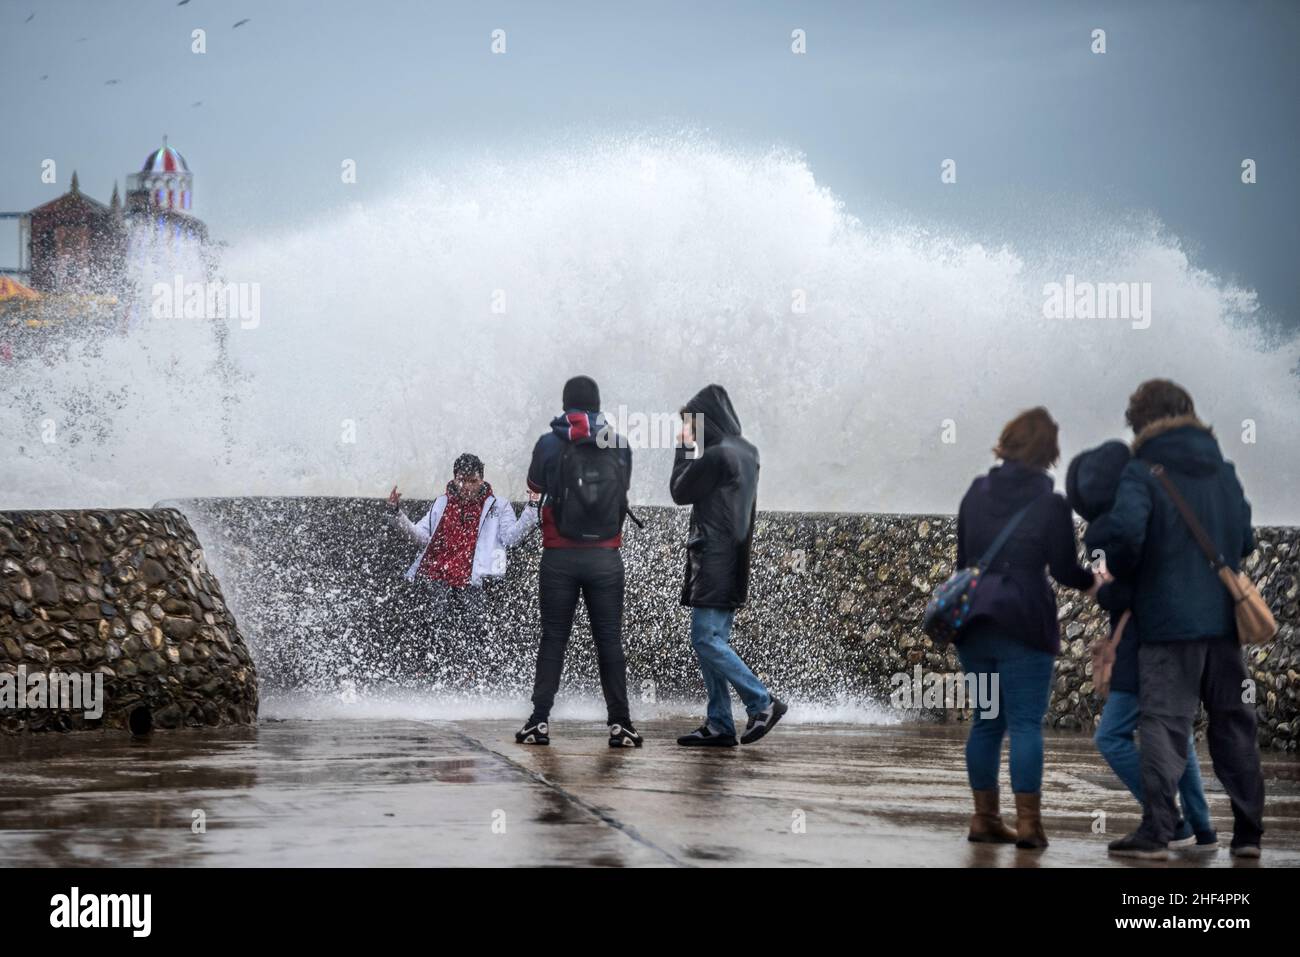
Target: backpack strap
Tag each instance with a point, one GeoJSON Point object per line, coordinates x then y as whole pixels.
{"type": "Point", "coordinates": [1185, 510]}
{"type": "Point", "coordinates": [992, 551]}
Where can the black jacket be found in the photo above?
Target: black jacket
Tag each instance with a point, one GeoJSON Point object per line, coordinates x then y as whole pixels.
{"type": "Point", "coordinates": [1043, 539]}
{"type": "Point", "coordinates": [1090, 485]}
{"type": "Point", "coordinates": [721, 486]}
{"type": "Point", "coordinates": [1178, 597]}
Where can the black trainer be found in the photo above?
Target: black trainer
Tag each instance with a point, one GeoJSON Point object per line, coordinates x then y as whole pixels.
{"type": "Point", "coordinates": [624, 736]}
{"type": "Point", "coordinates": [705, 737]}
{"type": "Point", "coordinates": [534, 732]}
{"type": "Point", "coordinates": [763, 722]}
{"type": "Point", "coordinates": [1134, 845]}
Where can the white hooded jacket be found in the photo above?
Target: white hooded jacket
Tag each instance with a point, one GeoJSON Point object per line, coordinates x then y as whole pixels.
{"type": "Point", "coordinates": [498, 529]}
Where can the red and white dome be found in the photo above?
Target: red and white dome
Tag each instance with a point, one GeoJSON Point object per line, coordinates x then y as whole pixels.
{"type": "Point", "coordinates": [166, 159]}
{"type": "Point", "coordinates": [164, 182]}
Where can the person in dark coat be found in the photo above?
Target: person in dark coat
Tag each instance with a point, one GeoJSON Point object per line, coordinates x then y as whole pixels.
{"type": "Point", "coordinates": [716, 473]}
{"type": "Point", "coordinates": [571, 569]}
{"type": "Point", "coordinates": [1015, 637]}
{"type": "Point", "coordinates": [1189, 652]}
{"type": "Point", "coordinates": [1090, 485]}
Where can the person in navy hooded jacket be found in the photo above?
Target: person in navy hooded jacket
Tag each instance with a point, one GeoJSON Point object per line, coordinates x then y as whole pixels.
{"type": "Point", "coordinates": [1090, 484]}
{"type": "Point", "coordinates": [1189, 652]}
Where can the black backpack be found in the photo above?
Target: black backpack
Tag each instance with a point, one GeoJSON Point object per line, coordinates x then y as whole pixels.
{"type": "Point", "coordinates": [592, 498]}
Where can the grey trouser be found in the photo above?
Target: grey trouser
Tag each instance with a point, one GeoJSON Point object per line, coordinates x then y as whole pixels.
{"type": "Point", "coordinates": [1174, 677]}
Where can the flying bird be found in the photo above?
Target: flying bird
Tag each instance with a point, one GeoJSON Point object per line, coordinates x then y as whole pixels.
{"type": "Point", "coordinates": [45, 76]}
{"type": "Point", "coordinates": [182, 3]}
{"type": "Point", "coordinates": [30, 18]}
{"type": "Point", "coordinates": [242, 22]}
{"type": "Point", "coordinates": [196, 102]}
{"type": "Point", "coordinates": [112, 82]}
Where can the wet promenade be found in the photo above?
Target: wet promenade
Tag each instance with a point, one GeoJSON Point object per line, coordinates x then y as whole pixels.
{"type": "Point", "coordinates": [404, 792]}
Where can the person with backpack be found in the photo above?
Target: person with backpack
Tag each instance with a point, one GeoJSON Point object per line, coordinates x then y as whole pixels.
{"type": "Point", "coordinates": [1090, 486]}
{"type": "Point", "coordinates": [463, 540]}
{"type": "Point", "coordinates": [1179, 489]}
{"type": "Point", "coordinates": [582, 468]}
{"type": "Point", "coordinates": [1012, 632]}
{"type": "Point", "coordinates": [716, 473]}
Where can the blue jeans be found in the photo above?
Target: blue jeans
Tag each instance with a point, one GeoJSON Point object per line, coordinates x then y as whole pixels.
{"type": "Point", "coordinates": [1119, 721]}
{"type": "Point", "coordinates": [1024, 686]}
{"type": "Point", "coordinates": [721, 666]}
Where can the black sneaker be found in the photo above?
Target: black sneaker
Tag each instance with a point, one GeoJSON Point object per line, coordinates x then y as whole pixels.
{"type": "Point", "coordinates": [1184, 836]}
{"type": "Point", "coordinates": [534, 732]}
{"type": "Point", "coordinates": [1140, 847]}
{"type": "Point", "coordinates": [624, 736]}
{"type": "Point", "coordinates": [704, 737]}
{"type": "Point", "coordinates": [760, 724]}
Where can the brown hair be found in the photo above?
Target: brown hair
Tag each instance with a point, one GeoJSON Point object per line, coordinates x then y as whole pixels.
{"type": "Point", "coordinates": [1157, 399]}
{"type": "Point", "coordinates": [1030, 438]}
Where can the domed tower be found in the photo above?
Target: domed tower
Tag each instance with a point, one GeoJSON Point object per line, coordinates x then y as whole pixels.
{"type": "Point", "coordinates": [158, 200]}
{"type": "Point", "coordinates": [164, 182]}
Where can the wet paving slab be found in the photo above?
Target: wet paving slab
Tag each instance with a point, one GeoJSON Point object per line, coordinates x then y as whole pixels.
{"type": "Point", "coordinates": [293, 793]}
{"type": "Point", "coordinates": [399, 792]}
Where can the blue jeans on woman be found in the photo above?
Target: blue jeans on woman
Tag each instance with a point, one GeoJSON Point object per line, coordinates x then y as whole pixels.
{"type": "Point", "coordinates": [721, 666]}
{"type": "Point", "coordinates": [1119, 721]}
{"type": "Point", "coordinates": [1024, 676]}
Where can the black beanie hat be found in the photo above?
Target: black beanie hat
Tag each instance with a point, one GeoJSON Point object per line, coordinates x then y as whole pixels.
{"type": "Point", "coordinates": [582, 393]}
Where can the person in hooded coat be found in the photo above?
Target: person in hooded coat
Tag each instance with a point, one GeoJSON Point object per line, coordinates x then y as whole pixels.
{"type": "Point", "coordinates": [716, 473]}
{"type": "Point", "coordinates": [1090, 485]}
{"type": "Point", "coordinates": [1189, 652]}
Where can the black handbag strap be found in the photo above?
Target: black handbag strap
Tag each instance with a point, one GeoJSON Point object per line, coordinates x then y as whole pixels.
{"type": "Point", "coordinates": [992, 551]}
{"type": "Point", "coordinates": [1185, 510]}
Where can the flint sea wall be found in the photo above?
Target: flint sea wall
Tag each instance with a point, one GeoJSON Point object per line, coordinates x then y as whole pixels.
{"type": "Point", "coordinates": [312, 590]}
{"type": "Point", "coordinates": [125, 598]}
{"type": "Point", "coordinates": [835, 610]}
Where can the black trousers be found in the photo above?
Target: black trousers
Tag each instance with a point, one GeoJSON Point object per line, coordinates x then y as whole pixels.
{"type": "Point", "coordinates": [1174, 676]}
{"type": "Point", "coordinates": [596, 574]}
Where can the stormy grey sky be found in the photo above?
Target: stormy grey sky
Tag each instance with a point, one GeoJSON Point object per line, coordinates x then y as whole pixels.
{"type": "Point", "coordinates": [1041, 127]}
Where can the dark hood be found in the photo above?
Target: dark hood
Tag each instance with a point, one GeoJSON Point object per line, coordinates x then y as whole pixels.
{"type": "Point", "coordinates": [1093, 478]}
{"type": "Point", "coordinates": [1182, 443]}
{"type": "Point", "coordinates": [714, 404]}
{"type": "Point", "coordinates": [1013, 484]}
{"type": "Point", "coordinates": [575, 426]}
